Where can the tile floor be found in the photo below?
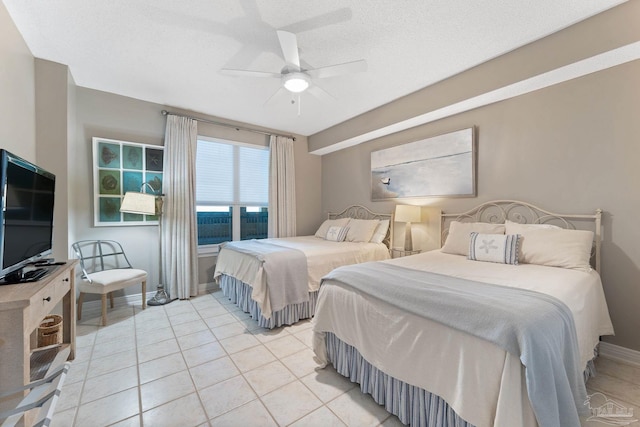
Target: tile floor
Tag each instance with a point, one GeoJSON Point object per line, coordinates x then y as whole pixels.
{"type": "Point", "coordinates": [205, 363]}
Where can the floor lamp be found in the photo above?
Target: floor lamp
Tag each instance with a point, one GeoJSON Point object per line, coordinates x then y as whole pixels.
{"type": "Point", "coordinates": [148, 204]}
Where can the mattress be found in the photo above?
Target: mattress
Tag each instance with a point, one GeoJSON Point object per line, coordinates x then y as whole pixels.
{"type": "Point", "coordinates": [486, 391]}
{"type": "Point", "coordinates": [322, 257]}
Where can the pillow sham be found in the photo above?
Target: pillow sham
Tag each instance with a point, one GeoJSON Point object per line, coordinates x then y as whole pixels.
{"type": "Point", "coordinates": [457, 242]}
{"type": "Point", "coordinates": [361, 230]}
{"type": "Point", "coordinates": [500, 248]}
{"type": "Point", "coordinates": [336, 233]}
{"type": "Point", "coordinates": [557, 248]}
{"type": "Point", "coordinates": [324, 227]}
{"type": "Point", "coordinates": [380, 231]}
{"type": "Point", "coordinates": [515, 227]}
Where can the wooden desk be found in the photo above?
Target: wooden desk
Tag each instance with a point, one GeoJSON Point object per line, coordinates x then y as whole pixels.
{"type": "Point", "coordinates": [22, 308]}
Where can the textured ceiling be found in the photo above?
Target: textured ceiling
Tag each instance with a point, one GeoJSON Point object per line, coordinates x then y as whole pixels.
{"type": "Point", "coordinates": [170, 52]}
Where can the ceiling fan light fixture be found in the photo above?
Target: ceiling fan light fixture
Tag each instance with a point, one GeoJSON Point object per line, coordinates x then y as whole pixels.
{"type": "Point", "coordinates": [296, 82]}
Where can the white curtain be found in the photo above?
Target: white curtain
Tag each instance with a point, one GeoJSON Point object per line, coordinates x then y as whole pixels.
{"type": "Point", "coordinates": [179, 235]}
{"type": "Point", "coordinates": [282, 188]}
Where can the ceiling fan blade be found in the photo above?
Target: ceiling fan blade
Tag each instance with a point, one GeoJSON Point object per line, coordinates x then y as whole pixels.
{"type": "Point", "coordinates": [320, 93]}
{"type": "Point", "coordinates": [275, 96]}
{"type": "Point", "coordinates": [289, 45]}
{"type": "Point", "coordinates": [334, 17]}
{"type": "Point", "coordinates": [339, 69]}
{"type": "Point", "coordinates": [248, 73]}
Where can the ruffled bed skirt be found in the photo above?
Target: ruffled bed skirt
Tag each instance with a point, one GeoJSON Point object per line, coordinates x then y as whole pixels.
{"type": "Point", "coordinates": [239, 293]}
{"type": "Point", "coordinates": [412, 405]}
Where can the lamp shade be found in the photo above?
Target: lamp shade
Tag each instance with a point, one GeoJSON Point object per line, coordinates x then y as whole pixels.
{"type": "Point", "coordinates": [407, 213]}
{"type": "Point", "coordinates": [138, 203]}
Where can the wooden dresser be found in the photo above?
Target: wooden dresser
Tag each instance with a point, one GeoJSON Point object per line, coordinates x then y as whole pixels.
{"type": "Point", "coordinates": [22, 308]}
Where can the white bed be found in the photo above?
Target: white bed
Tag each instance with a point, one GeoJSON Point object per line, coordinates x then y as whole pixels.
{"type": "Point", "coordinates": [245, 280]}
{"type": "Point", "coordinates": [431, 374]}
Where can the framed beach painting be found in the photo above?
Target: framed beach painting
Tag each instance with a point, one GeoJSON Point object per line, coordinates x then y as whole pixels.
{"type": "Point", "coordinates": [118, 167]}
{"type": "Point", "coordinates": [442, 165]}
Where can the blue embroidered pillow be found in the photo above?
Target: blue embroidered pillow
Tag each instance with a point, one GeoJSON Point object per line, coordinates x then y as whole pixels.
{"type": "Point", "coordinates": [336, 233]}
{"type": "Point", "coordinates": [501, 248]}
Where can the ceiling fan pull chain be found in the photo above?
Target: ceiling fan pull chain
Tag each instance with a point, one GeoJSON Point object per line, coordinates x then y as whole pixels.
{"type": "Point", "coordinates": [299, 108]}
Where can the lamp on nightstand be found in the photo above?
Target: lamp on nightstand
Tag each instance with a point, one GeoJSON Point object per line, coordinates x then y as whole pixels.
{"type": "Point", "coordinates": [407, 214]}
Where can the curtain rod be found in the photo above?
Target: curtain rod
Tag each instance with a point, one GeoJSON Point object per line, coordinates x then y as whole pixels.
{"type": "Point", "coordinates": [213, 122]}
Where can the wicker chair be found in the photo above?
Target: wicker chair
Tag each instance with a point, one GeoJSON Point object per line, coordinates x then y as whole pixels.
{"type": "Point", "coordinates": [106, 268]}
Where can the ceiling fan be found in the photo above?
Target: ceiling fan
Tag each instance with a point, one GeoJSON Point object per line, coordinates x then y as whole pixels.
{"type": "Point", "coordinates": [296, 79]}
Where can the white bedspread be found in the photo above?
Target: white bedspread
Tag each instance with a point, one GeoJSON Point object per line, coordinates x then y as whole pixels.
{"type": "Point", "coordinates": [322, 257]}
{"type": "Point", "coordinates": [486, 391]}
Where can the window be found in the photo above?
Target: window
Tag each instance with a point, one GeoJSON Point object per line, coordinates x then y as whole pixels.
{"type": "Point", "coordinates": [232, 191]}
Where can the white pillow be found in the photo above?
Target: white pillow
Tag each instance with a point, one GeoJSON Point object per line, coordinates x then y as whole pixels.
{"type": "Point", "coordinates": [557, 248]}
{"type": "Point", "coordinates": [381, 231]}
{"type": "Point", "coordinates": [361, 230]}
{"type": "Point", "coordinates": [336, 233]}
{"type": "Point", "coordinates": [515, 227]}
{"type": "Point", "coordinates": [457, 242]}
{"type": "Point", "coordinates": [501, 248]}
{"type": "Point", "coordinates": [322, 231]}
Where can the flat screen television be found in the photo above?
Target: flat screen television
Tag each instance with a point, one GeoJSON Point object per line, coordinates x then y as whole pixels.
{"type": "Point", "coordinates": [26, 219]}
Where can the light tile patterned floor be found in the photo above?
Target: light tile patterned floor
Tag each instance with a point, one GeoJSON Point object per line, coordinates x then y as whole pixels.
{"type": "Point", "coordinates": [205, 363]}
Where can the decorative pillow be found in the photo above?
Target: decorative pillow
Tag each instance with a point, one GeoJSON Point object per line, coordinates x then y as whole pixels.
{"type": "Point", "coordinates": [457, 242]}
{"type": "Point", "coordinates": [336, 234]}
{"type": "Point", "coordinates": [557, 248]}
{"type": "Point", "coordinates": [380, 231]}
{"type": "Point", "coordinates": [515, 227]}
{"type": "Point", "coordinates": [501, 248]}
{"type": "Point", "coordinates": [361, 230]}
{"type": "Point", "coordinates": [322, 231]}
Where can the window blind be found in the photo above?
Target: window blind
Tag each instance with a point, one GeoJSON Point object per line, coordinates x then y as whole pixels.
{"type": "Point", "coordinates": [254, 176]}
{"type": "Point", "coordinates": [229, 174]}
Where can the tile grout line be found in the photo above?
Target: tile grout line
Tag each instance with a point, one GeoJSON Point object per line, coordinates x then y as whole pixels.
{"type": "Point", "coordinates": [244, 322]}
{"type": "Point", "coordinates": [195, 387]}
{"type": "Point", "coordinates": [77, 411]}
{"type": "Point", "coordinates": [135, 338]}
{"type": "Point", "coordinates": [323, 404]}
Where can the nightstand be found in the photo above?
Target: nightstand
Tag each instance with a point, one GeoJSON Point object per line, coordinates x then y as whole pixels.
{"type": "Point", "coordinates": [398, 253]}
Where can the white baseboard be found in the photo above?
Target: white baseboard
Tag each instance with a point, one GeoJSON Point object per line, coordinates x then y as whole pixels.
{"type": "Point", "coordinates": [206, 288]}
{"type": "Point", "coordinates": [620, 354]}
{"type": "Point", "coordinates": [94, 308]}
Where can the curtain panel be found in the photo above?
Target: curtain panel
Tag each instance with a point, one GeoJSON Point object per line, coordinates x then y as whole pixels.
{"type": "Point", "coordinates": [282, 188]}
{"type": "Point", "coordinates": [179, 228]}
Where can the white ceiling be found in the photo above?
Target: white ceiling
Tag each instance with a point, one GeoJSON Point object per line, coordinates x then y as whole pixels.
{"type": "Point", "coordinates": [170, 52]}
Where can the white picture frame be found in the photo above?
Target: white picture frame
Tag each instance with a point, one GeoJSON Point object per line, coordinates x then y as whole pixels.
{"type": "Point", "coordinates": [118, 167]}
{"type": "Point", "coordinates": [438, 166]}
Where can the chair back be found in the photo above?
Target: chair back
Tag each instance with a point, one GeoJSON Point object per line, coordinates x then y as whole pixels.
{"type": "Point", "coordinates": [42, 394]}
{"type": "Point", "coordinates": [100, 255]}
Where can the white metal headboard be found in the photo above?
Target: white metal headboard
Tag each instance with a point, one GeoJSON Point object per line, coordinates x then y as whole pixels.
{"type": "Point", "coordinates": [361, 212]}
{"type": "Point", "coordinates": [498, 211]}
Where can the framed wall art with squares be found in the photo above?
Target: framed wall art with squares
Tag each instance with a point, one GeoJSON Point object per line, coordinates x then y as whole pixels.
{"type": "Point", "coordinates": [118, 167]}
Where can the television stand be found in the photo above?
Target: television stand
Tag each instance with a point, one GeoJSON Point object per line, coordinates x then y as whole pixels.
{"type": "Point", "coordinates": [22, 308]}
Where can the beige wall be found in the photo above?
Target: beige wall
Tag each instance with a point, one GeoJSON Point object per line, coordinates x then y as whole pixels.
{"type": "Point", "coordinates": [67, 119]}
{"type": "Point", "coordinates": [17, 91]}
{"type": "Point", "coordinates": [55, 116]}
{"type": "Point", "coordinates": [116, 117]}
{"type": "Point", "coordinates": [570, 148]}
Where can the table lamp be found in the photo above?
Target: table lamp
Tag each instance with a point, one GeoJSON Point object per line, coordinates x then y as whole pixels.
{"type": "Point", "coordinates": [407, 214]}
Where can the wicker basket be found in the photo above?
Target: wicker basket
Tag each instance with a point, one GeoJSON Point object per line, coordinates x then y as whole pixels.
{"type": "Point", "coordinates": [50, 330]}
